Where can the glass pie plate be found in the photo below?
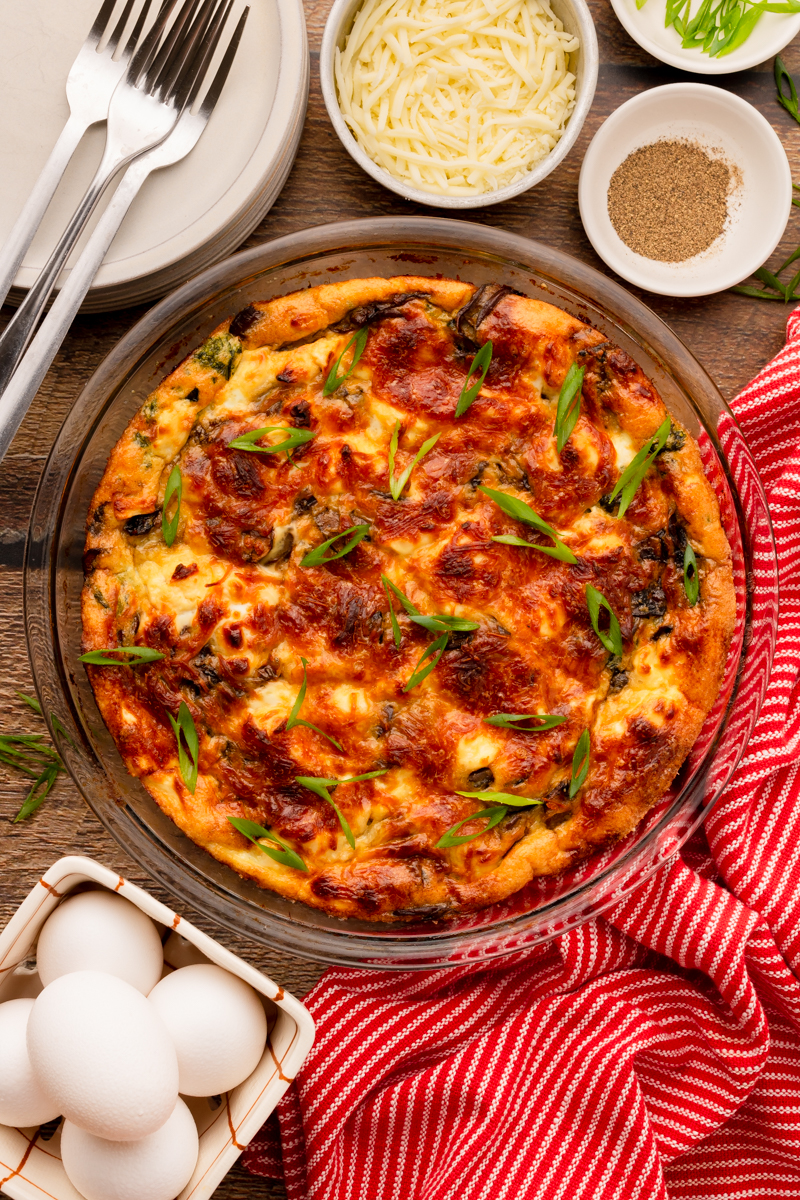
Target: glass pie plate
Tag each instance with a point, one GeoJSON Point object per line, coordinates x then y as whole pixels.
{"type": "Point", "coordinates": [53, 580]}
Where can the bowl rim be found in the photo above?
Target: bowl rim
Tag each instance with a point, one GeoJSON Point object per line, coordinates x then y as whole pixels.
{"type": "Point", "coordinates": [44, 580]}
{"type": "Point", "coordinates": [699, 63]}
{"type": "Point", "coordinates": [339, 18]}
{"type": "Point", "coordinates": [590, 198]}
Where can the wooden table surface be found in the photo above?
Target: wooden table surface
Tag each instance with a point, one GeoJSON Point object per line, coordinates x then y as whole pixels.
{"type": "Point", "coordinates": [731, 335]}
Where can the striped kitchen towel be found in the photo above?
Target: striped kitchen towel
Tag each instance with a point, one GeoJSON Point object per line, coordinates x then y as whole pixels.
{"type": "Point", "coordinates": [650, 1053]}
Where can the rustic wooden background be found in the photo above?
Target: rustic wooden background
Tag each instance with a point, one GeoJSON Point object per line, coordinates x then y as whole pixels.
{"type": "Point", "coordinates": [731, 335]}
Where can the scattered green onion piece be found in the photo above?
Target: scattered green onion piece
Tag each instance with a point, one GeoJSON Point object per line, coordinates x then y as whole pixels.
{"type": "Point", "coordinates": [395, 627]}
{"type": "Point", "coordinates": [411, 609]}
{"type": "Point", "coordinates": [514, 721]}
{"type": "Point", "coordinates": [31, 702]}
{"type": "Point", "coordinates": [294, 438]}
{"type": "Point", "coordinates": [433, 652]}
{"type": "Point", "coordinates": [480, 363]}
{"type": "Point", "coordinates": [629, 481]}
{"type": "Point", "coordinates": [321, 787]}
{"type": "Point", "coordinates": [569, 405]}
{"type": "Point", "coordinates": [293, 718]}
{"type": "Point", "coordinates": [782, 77]}
{"type": "Point", "coordinates": [396, 485]}
{"type": "Point", "coordinates": [280, 851]}
{"type": "Point", "coordinates": [317, 556]}
{"type": "Point", "coordinates": [334, 379]}
{"type": "Point", "coordinates": [580, 764]}
{"type": "Point", "coordinates": [186, 737]}
{"type": "Point", "coordinates": [102, 658]}
{"type": "Point", "coordinates": [446, 624]}
{"type": "Point", "coordinates": [494, 815]}
{"type": "Point", "coordinates": [508, 798]}
{"type": "Point", "coordinates": [174, 487]}
{"type": "Point", "coordinates": [39, 792]}
{"type": "Point", "coordinates": [691, 579]}
{"type": "Point", "coordinates": [520, 511]}
{"type": "Point", "coordinates": [612, 640]}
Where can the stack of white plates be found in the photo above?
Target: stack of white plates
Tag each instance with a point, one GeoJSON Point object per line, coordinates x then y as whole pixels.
{"type": "Point", "coordinates": [186, 216]}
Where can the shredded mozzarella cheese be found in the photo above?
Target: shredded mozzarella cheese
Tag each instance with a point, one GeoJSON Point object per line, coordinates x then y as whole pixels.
{"type": "Point", "coordinates": [460, 97]}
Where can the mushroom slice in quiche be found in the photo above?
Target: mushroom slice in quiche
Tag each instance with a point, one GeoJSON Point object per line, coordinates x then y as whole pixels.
{"type": "Point", "coordinates": [440, 593]}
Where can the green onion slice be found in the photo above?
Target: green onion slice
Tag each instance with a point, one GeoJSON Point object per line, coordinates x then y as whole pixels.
{"type": "Point", "coordinates": [396, 485]}
{"type": "Point", "coordinates": [103, 658]}
{"type": "Point", "coordinates": [479, 363]}
{"type": "Point", "coordinates": [334, 379]}
{"type": "Point", "coordinates": [39, 791]}
{"type": "Point", "coordinates": [628, 483]}
{"type": "Point", "coordinates": [174, 487]}
{"type": "Point", "coordinates": [321, 787]}
{"type": "Point", "coordinates": [569, 405]}
{"type": "Point", "coordinates": [293, 718]}
{"type": "Point", "coordinates": [691, 579]}
{"type": "Point", "coordinates": [542, 721]}
{"type": "Point", "coordinates": [521, 511]}
{"type": "Point", "coordinates": [612, 639]}
{"type": "Point", "coordinates": [280, 850]}
{"type": "Point", "coordinates": [445, 624]}
{"type": "Point", "coordinates": [31, 702]}
{"type": "Point", "coordinates": [186, 737]}
{"type": "Point", "coordinates": [434, 652]}
{"type": "Point", "coordinates": [411, 609]}
{"type": "Point", "coordinates": [395, 627]}
{"type": "Point", "coordinates": [508, 798]}
{"type": "Point", "coordinates": [580, 764]}
{"type": "Point", "coordinates": [293, 439]}
{"type": "Point", "coordinates": [493, 817]}
{"type": "Point", "coordinates": [318, 558]}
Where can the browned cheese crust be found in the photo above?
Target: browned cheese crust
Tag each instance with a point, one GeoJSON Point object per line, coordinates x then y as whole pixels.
{"type": "Point", "coordinates": [233, 609]}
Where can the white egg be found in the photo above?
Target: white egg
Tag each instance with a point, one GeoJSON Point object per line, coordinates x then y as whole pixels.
{"type": "Point", "coordinates": [156, 1167]}
{"type": "Point", "coordinates": [102, 1054]}
{"type": "Point", "coordinates": [217, 1023]}
{"type": "Point", "coordinates": [100, 931]}
{"type": "Point", "coordinates": [23, 1101]}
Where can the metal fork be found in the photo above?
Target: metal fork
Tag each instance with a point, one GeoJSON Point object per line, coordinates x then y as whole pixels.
{"type": "Point", "coordinates": [144, 108]}
{"type": "Point", "coordinates": [90, 85]}
{"type": "Point", "coordinates": [16, 399]}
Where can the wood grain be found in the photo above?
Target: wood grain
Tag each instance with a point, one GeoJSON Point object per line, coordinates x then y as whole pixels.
{"type": "Point", "coordinates": [732, 336]}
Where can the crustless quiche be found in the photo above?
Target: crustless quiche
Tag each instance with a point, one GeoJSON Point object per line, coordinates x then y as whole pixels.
{"type": "Point", "coordinates": [416, 591]}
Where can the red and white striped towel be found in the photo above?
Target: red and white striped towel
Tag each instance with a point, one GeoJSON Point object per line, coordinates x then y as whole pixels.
{"type": "Point", "coordinates": [651, 1053]}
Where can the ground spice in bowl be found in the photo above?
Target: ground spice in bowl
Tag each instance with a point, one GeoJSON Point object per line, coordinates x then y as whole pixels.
{"type": "Point", "coordinates": [669, 201]}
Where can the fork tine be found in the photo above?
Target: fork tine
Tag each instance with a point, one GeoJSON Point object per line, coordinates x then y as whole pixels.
{"type": "Point", "coordinates": [172, 45]}
{"type": "Point", "coordinates": [181, 68]}
{"type": "Point", "coordinates": [116, 35]}
{"type": "Point", "coordinates": [101, 21]}
{"type": "Point", "coordinates": [202, 58]}
{"type": "Point", "coordinates": [146, 52]}
{"type": "Point", "coordinates": [136, 32]}
{"type": "Point", "coordinates": [202, 21]}
{"type": "Point", "coordinates": [218, 82]}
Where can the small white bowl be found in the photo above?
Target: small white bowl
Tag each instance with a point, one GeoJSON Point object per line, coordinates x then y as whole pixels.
{"type": "Point", "coordinates": [729, 128]}
{"type": "Point", "coordinates": [30, 1161]}
{"type": "Point", "coordinates": [646, 26]}
{"type": "Point", "coordinates": [576, 19]}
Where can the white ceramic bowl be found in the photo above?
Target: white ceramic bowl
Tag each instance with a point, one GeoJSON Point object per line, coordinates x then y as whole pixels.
{"type": "Point", "coordinates": [722, 123]}
{"type": "Point", "coordinates": [646, 26]}
{"type": "Point", "coordinates": [576, 18]}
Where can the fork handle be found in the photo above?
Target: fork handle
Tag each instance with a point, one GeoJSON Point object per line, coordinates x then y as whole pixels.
{"type": "Point", "coordinates": [17, 397]}
{"type": "Point", "coordinates": [29, 220]}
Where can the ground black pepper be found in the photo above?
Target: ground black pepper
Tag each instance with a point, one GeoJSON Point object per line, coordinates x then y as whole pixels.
{"type": "Point", "coordinates": [669, 200]}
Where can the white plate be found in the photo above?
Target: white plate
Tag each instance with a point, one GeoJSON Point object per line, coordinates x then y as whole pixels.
{"type": "Point", "coordinates": [727, 127]}
{"type": "Point", "coordinates": [217, 188]}
{"type": "Point", "coordinates": [646, 26]}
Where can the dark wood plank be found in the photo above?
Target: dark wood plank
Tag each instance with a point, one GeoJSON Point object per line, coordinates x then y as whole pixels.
{"type": "Point", "coordinates": [732, 336]}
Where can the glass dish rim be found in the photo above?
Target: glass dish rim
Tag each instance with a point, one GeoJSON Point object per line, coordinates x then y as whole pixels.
{"type": "Point", "coordinates": [237, 271]}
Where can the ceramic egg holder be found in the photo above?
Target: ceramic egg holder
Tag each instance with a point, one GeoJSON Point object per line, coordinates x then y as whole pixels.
{"type": "Point", "coordinates": [30, 1162]}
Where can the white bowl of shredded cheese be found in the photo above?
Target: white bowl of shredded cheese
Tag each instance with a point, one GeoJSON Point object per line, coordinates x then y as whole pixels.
{"type": "Point", "coordinates": [458, 103]}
